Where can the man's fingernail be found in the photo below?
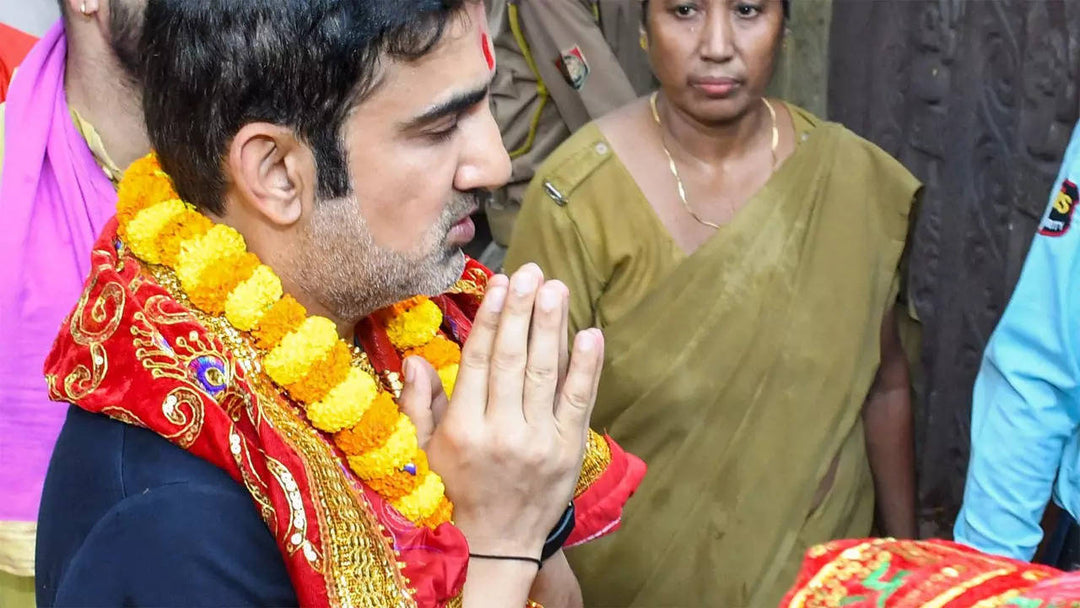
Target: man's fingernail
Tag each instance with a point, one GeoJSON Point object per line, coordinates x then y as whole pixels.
{"type": "Point", "coordinates": [549, 300]}
{"type": "Point", "coordinates": [495, 298]}
{"type": "Point", "coordinates": [410, 370]}
{"type": "Point", "coordinates": [585, 341]}
{"type": "Point", "coordinates": [523, 283]}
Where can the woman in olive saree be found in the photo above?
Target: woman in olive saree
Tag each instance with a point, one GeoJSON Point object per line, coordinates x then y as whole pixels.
{"type": "Point", "coordinates": [737, 367]}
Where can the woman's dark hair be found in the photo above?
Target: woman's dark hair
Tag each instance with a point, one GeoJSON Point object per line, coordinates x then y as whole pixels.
{"type": "Point", "coordinates": [212, 66]}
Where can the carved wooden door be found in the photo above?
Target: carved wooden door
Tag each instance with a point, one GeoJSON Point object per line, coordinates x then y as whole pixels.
{"type": "Point", "coordinates": [978, 99]}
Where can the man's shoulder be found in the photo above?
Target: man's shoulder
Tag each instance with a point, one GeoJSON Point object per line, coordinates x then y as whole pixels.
{"type": "Point", "coordinates": [576, 162]}
{"type": "Point", "coordinates": [125, 458]}
{"type": "Point", "coordinates": [121, 503]}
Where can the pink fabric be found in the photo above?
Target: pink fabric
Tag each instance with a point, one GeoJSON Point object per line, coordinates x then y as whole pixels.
{"type": "Point", "coordinates": [54, 200]}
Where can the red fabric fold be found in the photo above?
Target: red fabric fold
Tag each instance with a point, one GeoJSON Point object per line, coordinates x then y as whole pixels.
{"type": "Point", "coordinates": [599, 508]}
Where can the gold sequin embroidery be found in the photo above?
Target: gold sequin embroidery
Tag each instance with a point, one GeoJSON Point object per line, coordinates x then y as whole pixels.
{"type": "Point", "coordinates": [596, 461]}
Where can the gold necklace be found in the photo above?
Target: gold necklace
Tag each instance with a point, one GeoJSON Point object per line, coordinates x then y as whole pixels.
{"type": "Point", "coordinates": [675, 170]}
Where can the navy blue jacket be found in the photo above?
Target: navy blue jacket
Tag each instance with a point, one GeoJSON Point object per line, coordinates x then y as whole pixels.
{"type": "Point", "coordinates": [129, 519]}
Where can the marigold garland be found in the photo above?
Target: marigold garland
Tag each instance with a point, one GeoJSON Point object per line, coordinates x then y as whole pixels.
{"type": "Point", "coordinates": [303, 354]}
{"type": "Point", "coordinates": [413, 328]}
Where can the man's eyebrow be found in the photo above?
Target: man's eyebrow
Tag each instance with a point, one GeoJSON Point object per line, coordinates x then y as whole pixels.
{"type": "Point", "coordinates": [455, 105]}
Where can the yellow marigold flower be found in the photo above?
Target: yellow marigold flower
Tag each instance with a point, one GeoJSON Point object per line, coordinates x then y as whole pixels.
{"type": "Point", "coordinates": [422, 501]}
{"type": "Point", "coordinates": [385, 314]}
{"type": "Point", "coordinates": [444, 511]}
{"type": "Point", "coordinates": [396, 453]}
{"type": "Point", "coordinates": [283, 317]}
{"type": "Point", "coordinates": [196, 254]}
{"type": "Point", "coordinates": [374, 428]}
{"type": "Point", "coordinates": [440, 352]}
{"type": "Point", "coordinates": [345, 404]}
{"type": "Point", "coordinates": [218, 280]}
{"type": "Point", "coordinates": [398, 484]}
{"type": "Point", "coordinates": [293, 357]}
{"type": "Point", "coordinates": [448, 375]}
{"type": "Point", "coordinates": [188, 225]}
{"type": "Point", "coordinates": [327, 373]}
{"type": "Point", "coordinates": [248, 303]}
{"type": "Point", "coordinates": [144, 229]}
{"type": "Point", "coordinates": [416, 326]}
{"type": "Point", "coordinates": [143, 185]}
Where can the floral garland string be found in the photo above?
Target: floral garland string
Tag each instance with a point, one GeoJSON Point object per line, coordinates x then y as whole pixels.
{"type": "Point", "coordinates": [303, 355]}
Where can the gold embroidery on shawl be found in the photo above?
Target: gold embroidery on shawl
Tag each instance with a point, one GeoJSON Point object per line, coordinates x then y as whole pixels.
{"type": "Point", "coordinates": [257, 487]}
{"type": "Point", "coordinates": [123, 415]}
{"type": "Point", "coordinates": [826, 588]}
{"type": "Point", "coordinates": [157, 315]}
{"type": "Point", "coordinates": [597, 459]}
{"type": "Point", "coordinates": [998, 600]}
{"type": "Point", "coordinates": [106, 310]}
{"type": "Point", "coordinates": [184, 408]}
{"type": "Point", "coordinates": [470, 284]}
{"type": "Point", "coordinates": [966, 586]}
{"type": "Point", "coordinates": [297, 532]}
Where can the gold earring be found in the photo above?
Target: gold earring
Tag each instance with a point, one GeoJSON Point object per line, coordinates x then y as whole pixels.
{"type": "Point", "coordinates": [644, 41]}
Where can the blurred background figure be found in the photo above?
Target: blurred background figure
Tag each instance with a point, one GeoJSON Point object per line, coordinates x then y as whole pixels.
{"type": "Point", "coordinates": [16, 571]}
{"type": "Point", "coordinates": [14, 45]}
{"type": "Point", "coordinates": [561, 63]}
{"type": "Point", "coordinates": [72, 124]}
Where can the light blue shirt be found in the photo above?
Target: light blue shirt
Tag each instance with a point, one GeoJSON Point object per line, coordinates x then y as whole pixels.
{"type": "Point", "coordinates": [1025, 427]}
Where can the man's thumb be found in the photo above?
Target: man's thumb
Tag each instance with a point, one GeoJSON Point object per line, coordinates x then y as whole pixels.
{"type": "Point", "coordinates": [415, 401]}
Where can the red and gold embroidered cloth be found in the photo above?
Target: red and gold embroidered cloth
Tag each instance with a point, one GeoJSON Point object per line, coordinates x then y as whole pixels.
{"type": "Point", "coordinates": [886, 573]}
{"type": "Point", "coordinates": [134, 350]}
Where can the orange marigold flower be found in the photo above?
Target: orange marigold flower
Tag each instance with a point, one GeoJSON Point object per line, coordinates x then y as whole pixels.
{"type": "Point", "coordinates": [188, 226]}
{"type": "Point", "coordinates": [373, 430]}
{"type": "Point", "coordinates": [141, 189]}
{"type": "Point", "coordinates": [395, 485]}
{"type": "Point", "coordinates": [284, 316]}
{"type": "Point", "coordinates": [219, 279]}
{"type": "Point", "coordinates": [324, 375]}
{"type": "Point", "coordinates": [440, 352]}
{"type": "Point", "coordinates": [440, 515]}
{"type": "Point", "coordinates": [385, 314]}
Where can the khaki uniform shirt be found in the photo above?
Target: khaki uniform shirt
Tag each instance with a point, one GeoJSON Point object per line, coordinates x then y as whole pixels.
{"type": "Point", "coordinates": [561, 63]}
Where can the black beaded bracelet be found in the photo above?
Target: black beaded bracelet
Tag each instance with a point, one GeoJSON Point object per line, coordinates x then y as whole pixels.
{"type": "Point", "coordinates": [509, 558]}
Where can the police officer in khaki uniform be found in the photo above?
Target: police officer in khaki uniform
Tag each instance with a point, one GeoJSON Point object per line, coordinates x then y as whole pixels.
{"type": "Point", "coordinates": [561, 63]}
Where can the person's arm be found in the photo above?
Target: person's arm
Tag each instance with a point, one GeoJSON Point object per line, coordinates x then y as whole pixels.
{"type": "Point", "coordinates": [887, 420]}
{"type": "Point", "coordinates": [1024, 408]}
{"type": "Point", "coordinates": [556, 585]}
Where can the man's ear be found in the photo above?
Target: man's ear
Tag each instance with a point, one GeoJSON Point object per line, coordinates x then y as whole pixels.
{"type": "Point", "coordinates": [273, 173]}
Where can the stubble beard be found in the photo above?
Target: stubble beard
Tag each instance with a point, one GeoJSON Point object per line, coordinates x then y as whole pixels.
{"type": "Point", "coordinates": [342, 267]}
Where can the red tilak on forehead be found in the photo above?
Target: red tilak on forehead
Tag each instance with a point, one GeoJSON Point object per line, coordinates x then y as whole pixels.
{"type": "Point", "coordinates": [485, 42]}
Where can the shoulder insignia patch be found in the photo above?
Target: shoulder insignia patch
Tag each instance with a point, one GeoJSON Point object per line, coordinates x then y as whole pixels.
{"type": "Point", "coordinates": [574, 67]}
{"type": "Point", "coordinates": [1059, 218]}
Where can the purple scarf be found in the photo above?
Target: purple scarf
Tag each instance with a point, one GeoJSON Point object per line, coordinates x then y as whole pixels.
{"type": "Point", "coordinates": [54, 200]}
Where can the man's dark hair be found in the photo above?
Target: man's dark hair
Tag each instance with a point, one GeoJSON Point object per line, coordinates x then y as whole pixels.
{"type": "Point", "coordinates": [212, 66]}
